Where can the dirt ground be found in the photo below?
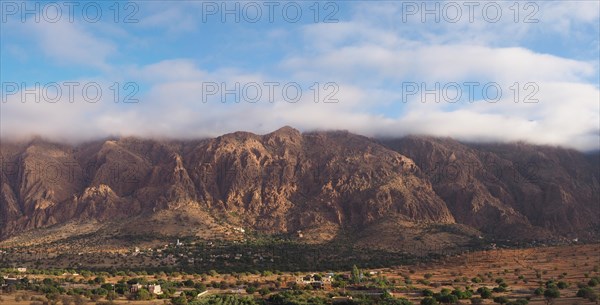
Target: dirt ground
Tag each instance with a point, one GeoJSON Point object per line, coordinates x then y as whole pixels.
{"type": "Point", "coordinates": [522, 270]}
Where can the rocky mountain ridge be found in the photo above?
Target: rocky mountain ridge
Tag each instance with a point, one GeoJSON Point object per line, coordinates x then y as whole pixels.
{"type": "Point", "coordinates": [287, 181]}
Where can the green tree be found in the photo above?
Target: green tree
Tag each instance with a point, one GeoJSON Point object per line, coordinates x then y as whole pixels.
{"type": "Point", "coordinates": [355, 275]}
{"type": "Point", "coordinates": [550, 295]}
{"type": "Point", "coordinates": [587, 293]}
{"type": "Point", "coordinates": [142, 295]}
{"type": "Point", "coordinates": [264, 291]}
{"type": "Point", "coordinates": [429, 301]}
{"type": "Point", "coordinates": [180, 300]}
{"type": "Point", "coordinates": [462, 294]}
{"type": "Point", "coordinates": [448, 299]}
{"type": "Point", "coordinates": [501, 300]}
{"type": "Point", "coordinates": [484, 292]}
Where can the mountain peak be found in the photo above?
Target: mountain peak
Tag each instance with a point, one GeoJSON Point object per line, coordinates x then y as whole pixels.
{"type": "Point", "coordinates": [287, 130]}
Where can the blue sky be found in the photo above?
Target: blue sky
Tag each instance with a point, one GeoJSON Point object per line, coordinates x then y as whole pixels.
{"type": "Point", "coordinates": [371, 59]}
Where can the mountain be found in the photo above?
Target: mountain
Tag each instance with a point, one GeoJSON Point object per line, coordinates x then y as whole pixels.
{"type": "Point", "coordinates": [322, 183]}
{"type": "Point", "coordinates": [510, 190]}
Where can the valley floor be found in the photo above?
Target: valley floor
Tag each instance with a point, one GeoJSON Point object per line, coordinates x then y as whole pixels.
{"type": "Point", "coordinates": [514, 274]}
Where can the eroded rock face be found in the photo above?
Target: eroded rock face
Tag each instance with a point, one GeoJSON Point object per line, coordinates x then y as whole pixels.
{"type": "Point", "coordinates": [510, 189]}
{"type": "Point", "coordinates": [287, 181]}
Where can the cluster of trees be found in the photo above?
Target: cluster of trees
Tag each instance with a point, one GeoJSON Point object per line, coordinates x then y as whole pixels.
{"type": "Point", "coordinates": [302, 298]}
{"type": "Point", "coordinates": [97, 288]}
{"type": "Point", "coordinates": [551, 290]}
{"type": "Point", "coordinates": [55, 288]}
{"type": "Point", "coordinates": [225, 300]}
{"type": "Point", "coordinates": [445, 296]}
{"type": "Point", "coordinates": [586, 291]}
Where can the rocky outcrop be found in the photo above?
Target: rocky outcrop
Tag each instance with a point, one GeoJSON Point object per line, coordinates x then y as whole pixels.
{"type": "Point", "coordinates": [510, 190]}
{"type": "Point", "coordinates": [287, 181]}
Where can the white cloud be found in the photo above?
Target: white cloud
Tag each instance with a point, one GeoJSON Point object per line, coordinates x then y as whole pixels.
{"type": "Point", "coordinates": [69, 43]}
{"type": "Point", "coordinates": [368, 57]}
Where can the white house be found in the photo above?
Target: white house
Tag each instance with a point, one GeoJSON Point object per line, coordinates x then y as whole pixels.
{"type": "Point", "coordinates": [155, 289]}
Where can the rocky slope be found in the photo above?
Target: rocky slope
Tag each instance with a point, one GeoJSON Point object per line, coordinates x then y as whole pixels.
{"type": "Point", "coordinates": [287, 181]}
{"type": "Point", "coordinates": [510, 190]}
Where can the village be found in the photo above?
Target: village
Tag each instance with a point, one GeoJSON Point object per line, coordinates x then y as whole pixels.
{"type": "Point", "coordinates": [550, 275]}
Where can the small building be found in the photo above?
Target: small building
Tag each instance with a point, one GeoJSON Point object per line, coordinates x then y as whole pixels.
{"type": "Point", "coordinates": [317, 285]}
{"type": "Point", "coordinates": [10, 280]}
{"type": "Point", "coordinates": [341, 299]}
{"type": "Point", "coordinates": [155, 289]}
{"type": "Point", "coordinates": [22, 269]}
{"type": "Point", "coordinates": [315, 280]}
{"type": "Point", "coordinates": [135, 288]}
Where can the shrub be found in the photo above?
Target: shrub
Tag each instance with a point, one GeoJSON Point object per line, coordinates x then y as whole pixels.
{"type": "Point", "coordinates": [264, 291]}
{"type": "Point", "coordinates": [427, 292]}
{"type": "Point", "coordinates": [429, 301]}
{"type": "Point", "coordinates": [587, 293]}
{"type": "Point", "coordinates": [476, 301]}
{"type": "Point", "coordinates": [499, 289]}
{"type": "Point", "coordinates": [562, 285]}
{"type": "Point", "coordinates": [551, 294]}
{"type": "Point", "coordinates": [484, 292]}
